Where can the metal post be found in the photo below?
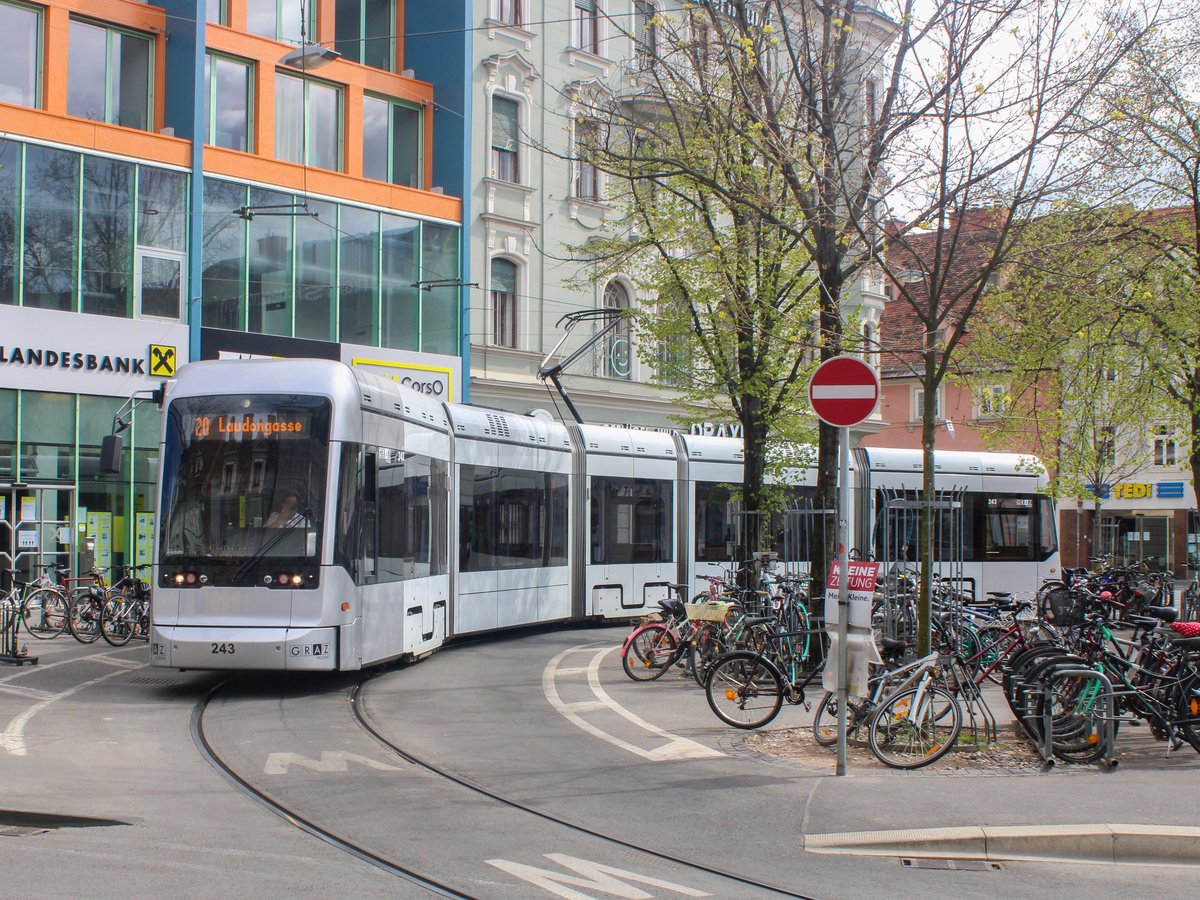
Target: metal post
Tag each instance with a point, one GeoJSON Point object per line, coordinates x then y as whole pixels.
{"type": "Point", "coordinates": [843, 666]}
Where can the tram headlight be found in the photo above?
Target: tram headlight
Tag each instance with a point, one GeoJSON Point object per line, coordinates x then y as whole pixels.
{"type": "Point", "coordinates": [297, 580]}
{"type": "Point", "coordinates": [179, 578]}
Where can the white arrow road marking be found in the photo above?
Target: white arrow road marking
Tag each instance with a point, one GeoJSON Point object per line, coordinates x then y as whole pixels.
{"type": "Point", "coordinates": [676, 748]}
{"type": "Point", "coordinates": [330, 761]}
{"type": "Point", "coordinates": [592, 875]}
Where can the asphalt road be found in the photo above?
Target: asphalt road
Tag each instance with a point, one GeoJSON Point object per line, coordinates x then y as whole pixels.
{"type": "Point", "coordinates": [525, 765]}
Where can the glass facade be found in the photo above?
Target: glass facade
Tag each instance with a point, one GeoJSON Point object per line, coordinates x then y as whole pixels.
{"type": "Point", "coordinates": [346, 274]}
{"type": "Point", "coordinates": [72, 247]}
{"type": "Point", "coordinates": [53, 440]}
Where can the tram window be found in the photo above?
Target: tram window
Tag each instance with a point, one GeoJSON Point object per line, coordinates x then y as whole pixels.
{"type": "Point", "coordinates": [409, 511]}
{"type": "Point", "coordinates": [511, 519]}
{"type": "Point", "coordinates": [631, 520]}
{"type": "Point", "coordinates": [898, 529]}
{"type": "Point", "coordinates": [714, 527]}
{"type": "Point", "coordinates": [1018, 527]}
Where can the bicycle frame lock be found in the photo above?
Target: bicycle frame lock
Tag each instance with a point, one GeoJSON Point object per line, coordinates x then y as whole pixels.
{"type": "Point", "coordinates": [112, 446]}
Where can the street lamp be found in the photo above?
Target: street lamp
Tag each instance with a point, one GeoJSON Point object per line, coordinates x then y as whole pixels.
{"type": "Point", "coordinates": [310, 56]}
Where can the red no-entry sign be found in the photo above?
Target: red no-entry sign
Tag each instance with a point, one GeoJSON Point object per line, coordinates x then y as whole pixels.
{"type": "Point", "coordinates": [844, 391]}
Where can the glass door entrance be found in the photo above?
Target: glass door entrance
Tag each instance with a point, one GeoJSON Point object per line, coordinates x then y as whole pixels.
{"type": "Point", "coordinates": [1140, 539]}
{"type": "Point", "coordinates": [36, 527]}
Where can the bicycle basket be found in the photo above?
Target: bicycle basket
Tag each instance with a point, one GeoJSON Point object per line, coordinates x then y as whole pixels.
{"type": "Point", "coordinates": [707, 612]}
{"type": "Point", "coordinates": [1063, 607]}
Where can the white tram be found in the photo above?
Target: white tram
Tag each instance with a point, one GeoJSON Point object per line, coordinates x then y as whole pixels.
{"type": "Point", "coordinates": [315, 516]}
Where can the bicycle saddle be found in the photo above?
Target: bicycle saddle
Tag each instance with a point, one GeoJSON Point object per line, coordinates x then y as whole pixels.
{"type": "Point", "coordinates": [892, 646]}
{"type": "Point", "coordinates": [671, 605]}
{"type": "Point", "coordinates": [1188, 643]}
{"type": "Point", "coordinates": [1163, 613]}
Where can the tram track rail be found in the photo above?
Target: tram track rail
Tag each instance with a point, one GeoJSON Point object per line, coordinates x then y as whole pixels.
{"type": "Point", "coordinates": [298, 820]}
{"type": "Point", "coordinates": [363, 719]}
{"type": "Point", "coordinates": [356, 702]}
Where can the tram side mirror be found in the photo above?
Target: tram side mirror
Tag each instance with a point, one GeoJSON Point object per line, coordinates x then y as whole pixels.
{"type": "Point", "coordinates": [111, 450]}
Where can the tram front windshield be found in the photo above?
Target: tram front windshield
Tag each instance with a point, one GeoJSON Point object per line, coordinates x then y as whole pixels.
{"type": "Point", "coordinates": [244, 478]}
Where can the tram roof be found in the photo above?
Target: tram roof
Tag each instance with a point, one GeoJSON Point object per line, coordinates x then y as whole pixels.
{"type": "Point", "coordinates": [957, 462]}
{"type": "Point", "coordinates": [627, 441]}
{"type": "Point", "coordinates": [506, 427]}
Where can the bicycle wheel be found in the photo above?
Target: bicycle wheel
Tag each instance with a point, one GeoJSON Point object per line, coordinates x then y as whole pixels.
{"type": "Point", "coordinates": [116, 622]}
{"type": "Point", "coordinates": [744, 690]}
{"type": "Point", "coordinates": [707, 645]}
{"type": "Point", "coordinates": [905, 733]}
{"type": "Point", "coordinates": [84, 618]}
{"type": "Point", "coordinates": [1188, 713]}
{"type": "Point", "coordinates": [824, 726]}
{"type": "Point", "coordinates": [649, 652]}
{"type": "Point", "coordinates": [44, 613]}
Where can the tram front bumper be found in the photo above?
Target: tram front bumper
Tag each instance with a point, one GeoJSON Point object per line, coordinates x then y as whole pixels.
{"type": "Point", "coordinates": [199, 647]}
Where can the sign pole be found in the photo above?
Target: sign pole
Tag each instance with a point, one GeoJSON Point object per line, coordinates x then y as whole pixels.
{"type": "Point", "coordinates": [843, 670]}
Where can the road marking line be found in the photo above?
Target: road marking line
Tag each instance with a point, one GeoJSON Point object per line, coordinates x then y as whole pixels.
{"type": "Point", "coordinates": [128, 664]}
{"type": "Point", "coordinates": [43, 667]}
{"type": "Point", "coordinates": [12, 740]}
{"type": "Point", "coordinates": [676, 748]}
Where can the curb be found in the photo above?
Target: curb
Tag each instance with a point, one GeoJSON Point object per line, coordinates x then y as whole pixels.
{"type": "Point", "coordinates": [1166, 845]}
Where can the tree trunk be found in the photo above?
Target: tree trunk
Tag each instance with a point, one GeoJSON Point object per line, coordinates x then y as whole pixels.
{"type": "Point", "coordinates": [925, 551]}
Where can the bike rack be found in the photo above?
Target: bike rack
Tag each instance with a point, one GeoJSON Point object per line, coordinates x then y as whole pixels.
{"type": "Point", "coordinates": [1046, 746]}
{"type": "Point", "coordinates": [10, 651]}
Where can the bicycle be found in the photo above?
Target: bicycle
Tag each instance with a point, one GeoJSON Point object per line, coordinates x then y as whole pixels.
{"type": "Point", "coordinates": [126, 612]}
{"type": "Point", "coordinates": [45, 606]}
{"type": "Point", "coordinates": [87, 602]}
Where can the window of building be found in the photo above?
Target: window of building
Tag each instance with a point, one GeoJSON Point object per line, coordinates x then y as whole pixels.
{"type": "Point", "coordinates": [10, 203]}
{"type": "Point", "coordinates": [400, 313]}
{"type": "Point", "coordinates": [284, 20]}
{"type": "Point", "coordinates": [364, 31]}
{"type": "Point", "coordinates": [645, 33]}
{"type": "Point", "coordinates": [392, 142]}
{"type": "Point", "coordinates": [51, 219]}
{"type": "Point", "coordinates": [316, 272]}
{"type": "Point", "coordinates": [227, 93]}
{"type": "Point", "coordinates": [587, 176]}
{"type": "Point", "coordinates": [440, 303]}
{"type": "Point", "coordinates": [919, 404]}
{"type": "Point", "coordinates": [509, 12]}
{"type": "Point", "coordinates": [871, 103]}
{"type": "Point", "coordinates": [223, 283]}
{"type": "Point", "coordinates": [587, 26]}
{"type": "Point", "coordinates": [20, 75]}
{"type": "Point", "coordinates": [1166, 448]}
{"type": "Point", "coordinates": [618, 355]}
{"type": "Point", "coordinates": [504, 302]}
{"type": "Point", "coordinates": [216, 11]}
{"type": "Point", "coordinates": [359, 276]}
{"type": "Point", "coordinates": [1106, 447]}
{"type": "Point", "coordinates": [308, 121]}
{"type": "Point", "coordinates": [506, 117]}
{"type": "Point", "coordinates": [108, 75]}
{"type": "Point", "coordinates": [993, 400]}
{"type": "Point", "coordinates": [107, 279]}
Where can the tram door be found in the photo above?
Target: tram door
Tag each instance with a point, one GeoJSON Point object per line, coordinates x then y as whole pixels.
{"type": "Point", "coordinates": [36, 527]}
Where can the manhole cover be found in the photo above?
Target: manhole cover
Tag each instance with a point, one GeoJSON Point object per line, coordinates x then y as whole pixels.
{"type": "Point", "coordinates": [957, 865]}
